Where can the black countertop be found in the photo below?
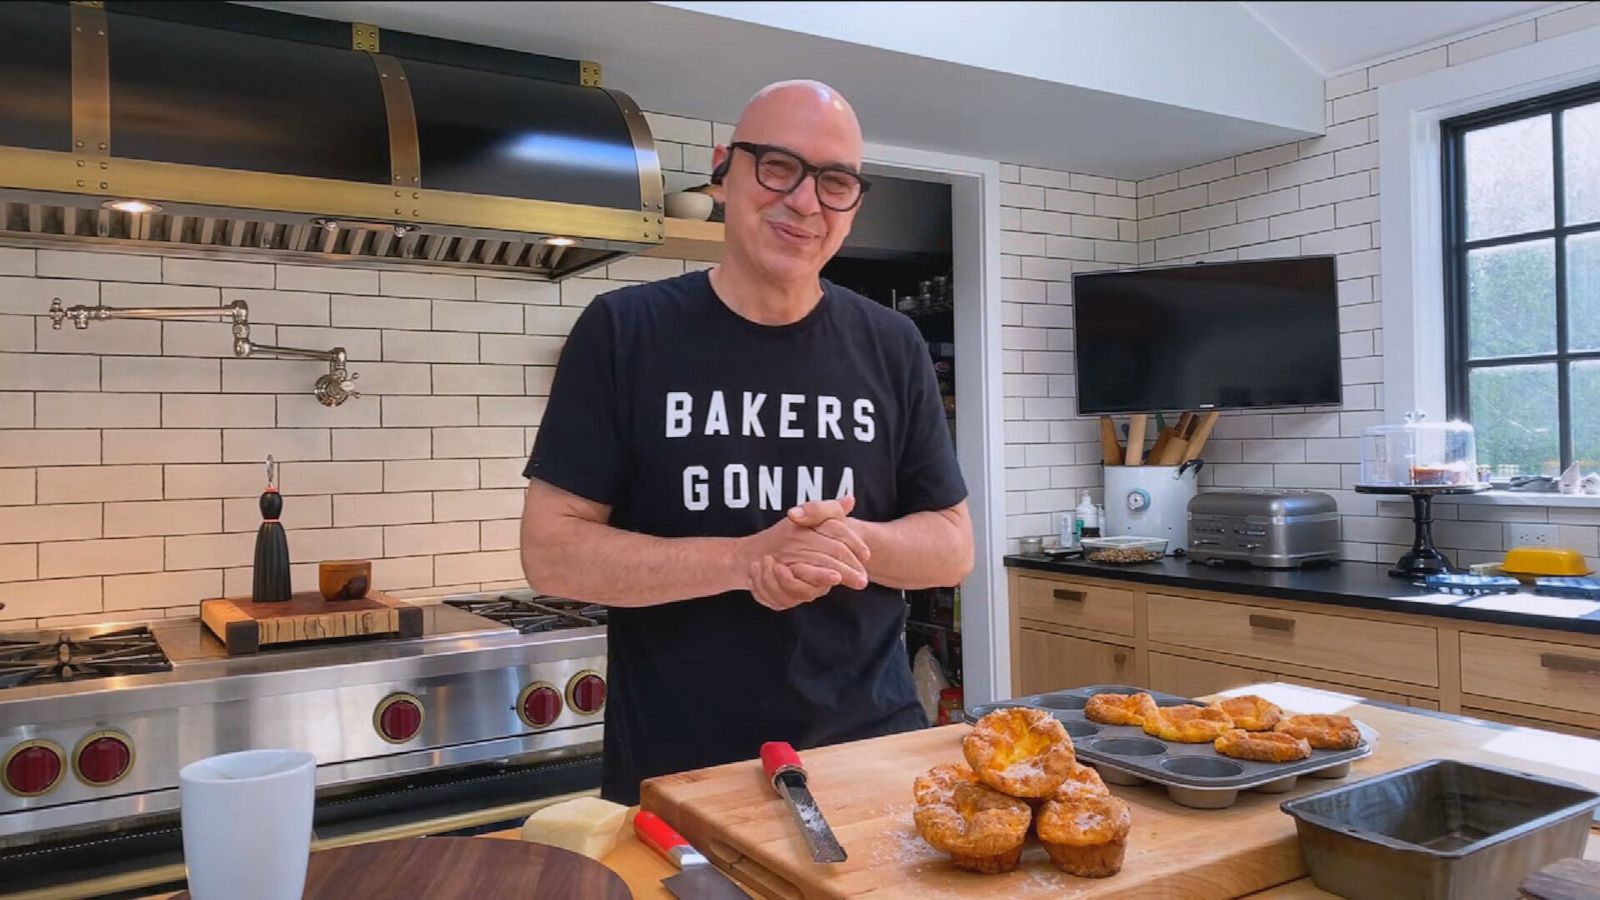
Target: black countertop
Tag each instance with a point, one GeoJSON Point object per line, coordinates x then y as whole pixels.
{"type": "Point", "coordinates": [1353, 584]}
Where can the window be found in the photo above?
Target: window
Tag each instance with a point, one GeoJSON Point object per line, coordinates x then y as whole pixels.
{"type": "Point", "coordinates": [1522, 281]}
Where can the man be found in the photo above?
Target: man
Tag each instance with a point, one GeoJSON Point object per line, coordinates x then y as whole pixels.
{"type": "Point", "coordinates": [748, 465]}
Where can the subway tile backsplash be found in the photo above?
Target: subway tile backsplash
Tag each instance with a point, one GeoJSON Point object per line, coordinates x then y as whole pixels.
{"type": "Point", "coordinates": [131, 452]}
{"type": "Point", "coordinates": [1310, 197]}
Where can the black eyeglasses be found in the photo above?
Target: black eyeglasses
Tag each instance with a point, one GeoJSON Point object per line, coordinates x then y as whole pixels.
{"type": "Point", "coordinates": [781, 170]}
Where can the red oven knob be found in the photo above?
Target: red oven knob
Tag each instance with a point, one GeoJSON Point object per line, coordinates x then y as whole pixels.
{"type": "Point", "coordinates": [398, 718]}
{"type": "Point", "coordinates": [33, 768]}
{"type": "Point", "coordinates": [539, 705]}
{"type": "Point", "coordinates": [586, 693]}
{"type": "Point", "coordinates": [103, 758]}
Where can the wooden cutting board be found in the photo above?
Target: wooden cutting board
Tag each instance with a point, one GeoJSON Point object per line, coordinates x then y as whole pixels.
{"type": "Point", "coordinates": [732, 815]}
{"type": "Point", "coordinates": [445, 868]}
{"type": "Point", "coordinates": [245, 626]}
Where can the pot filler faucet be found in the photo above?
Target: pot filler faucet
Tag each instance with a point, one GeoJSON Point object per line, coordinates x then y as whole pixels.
{"type": "Point", "coordinates": [332, 389]}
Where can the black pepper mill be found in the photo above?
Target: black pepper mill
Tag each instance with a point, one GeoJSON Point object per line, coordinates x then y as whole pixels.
{"type": "Point", "coordinates": [271, 581]}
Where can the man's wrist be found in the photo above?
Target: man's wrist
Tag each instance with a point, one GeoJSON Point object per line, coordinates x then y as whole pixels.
{"type": "Point", "coordinates": [871, 534]}
{"type": "Point", "coordinates": [736, 556]}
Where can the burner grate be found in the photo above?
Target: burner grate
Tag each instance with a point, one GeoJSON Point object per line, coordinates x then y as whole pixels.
{"type": "Point", "coordinates": [130, 652]}
{"type": "Point", "coordinates": [536, 615]}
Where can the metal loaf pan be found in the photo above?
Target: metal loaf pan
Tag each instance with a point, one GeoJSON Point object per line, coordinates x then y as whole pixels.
{"type": "Point", "coordinates": [1195, 775]}
{"type": "Point", "coordinates": [1439, 830]}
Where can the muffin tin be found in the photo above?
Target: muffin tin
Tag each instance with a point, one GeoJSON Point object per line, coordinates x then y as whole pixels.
{"type": "Point", "coordinates": [1195, 775]}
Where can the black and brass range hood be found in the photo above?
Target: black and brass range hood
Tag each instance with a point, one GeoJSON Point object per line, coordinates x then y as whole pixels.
{"type": "Point", "coordinates": [122, 126]}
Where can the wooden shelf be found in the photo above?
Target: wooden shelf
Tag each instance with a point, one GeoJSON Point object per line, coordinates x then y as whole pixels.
{"type": "Point", "coordinates": [690, 239]}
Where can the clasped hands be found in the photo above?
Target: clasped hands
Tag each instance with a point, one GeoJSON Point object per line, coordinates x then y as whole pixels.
{"type": "Point", "coordinates": [813, 549]}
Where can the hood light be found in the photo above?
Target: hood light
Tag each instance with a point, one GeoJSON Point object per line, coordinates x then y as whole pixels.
{"type": "Point", "coordinates": [560, 241]}
{"type": "Point", "coordinates": [136, 207]}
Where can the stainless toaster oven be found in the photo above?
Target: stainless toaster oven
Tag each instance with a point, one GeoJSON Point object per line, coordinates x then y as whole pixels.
{"type": "Point", "coordinates": [1273, 529]}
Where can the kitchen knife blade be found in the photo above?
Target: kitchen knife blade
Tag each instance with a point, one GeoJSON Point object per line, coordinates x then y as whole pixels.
{"type": "Point", "coordinates": [703, 883]}
{"type": "Point", "coordinates": [782, 766]}
{"type": "Point", "coordinates": [697, 878]}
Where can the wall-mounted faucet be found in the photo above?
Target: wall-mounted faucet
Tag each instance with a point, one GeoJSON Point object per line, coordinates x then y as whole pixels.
{"type": "Point", "coordinates": [332, 389]}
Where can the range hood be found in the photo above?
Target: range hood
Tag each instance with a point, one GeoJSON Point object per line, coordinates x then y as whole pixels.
{"type": "Point", "coordinates": [165, 125]}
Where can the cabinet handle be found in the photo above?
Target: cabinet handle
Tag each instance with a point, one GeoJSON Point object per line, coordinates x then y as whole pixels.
{"type": "Point", "coordinates": [1119, 657]}
{"type": "Point", "coordinates": [1276, 623]}
{"type": "Point", "coordinates": [1564, 663]}
{"type": "Point", "coordinates": [1064, 594]}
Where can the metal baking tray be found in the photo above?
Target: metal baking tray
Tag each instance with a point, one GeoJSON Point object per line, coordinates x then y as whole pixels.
{"type": "Point", "coordinates": [1195, 775]}
{"type": "Point", "coordinates": [1439, 830]}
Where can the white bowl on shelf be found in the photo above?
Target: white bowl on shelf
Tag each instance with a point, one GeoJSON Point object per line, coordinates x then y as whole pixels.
{"type": "Point", "coordinates": [689, 205]}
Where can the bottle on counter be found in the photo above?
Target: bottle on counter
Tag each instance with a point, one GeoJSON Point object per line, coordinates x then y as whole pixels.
{"type": "Point", "coordinates": [1088, 518]}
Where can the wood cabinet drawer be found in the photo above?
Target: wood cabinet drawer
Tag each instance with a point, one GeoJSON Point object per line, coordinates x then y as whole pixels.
{"type": "Point", "coordinates": [1407, 653]}
{"type": "Point", "coordinates": [1197, 677]}
{"type": "Point", "coordinates": [1364, 693]}
{"type": "Point", "coordinates": [1052, 662]}
{"type": "Point", "coordinates": [1076, 605]}
{"type": "Point", "coordinates": [1509, 719]}
{"type": "Point", "coordinates": [1562, 676]}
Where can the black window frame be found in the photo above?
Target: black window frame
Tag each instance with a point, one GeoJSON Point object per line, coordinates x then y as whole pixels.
{"type": "Point", "coordinates": [1458, 363]}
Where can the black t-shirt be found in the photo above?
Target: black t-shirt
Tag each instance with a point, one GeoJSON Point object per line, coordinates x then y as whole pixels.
{"type": "Point", "coordinates": [689, 420]}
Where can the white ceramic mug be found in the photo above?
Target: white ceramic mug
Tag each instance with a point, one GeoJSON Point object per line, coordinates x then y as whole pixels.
{"type": "Point", "coordinates": [247, 824]}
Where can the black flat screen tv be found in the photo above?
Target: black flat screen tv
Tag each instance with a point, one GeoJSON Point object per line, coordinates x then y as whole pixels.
{"type": "Point", "coordinates": [1233, 335]}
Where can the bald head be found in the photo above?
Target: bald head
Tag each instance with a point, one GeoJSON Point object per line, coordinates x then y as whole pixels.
{"type": "Point", "coordinates": [784, 108]}
{"type": "Point", "coordinates": [778, 231]}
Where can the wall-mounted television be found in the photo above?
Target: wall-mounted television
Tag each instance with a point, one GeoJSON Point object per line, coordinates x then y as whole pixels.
{"type": "Point", "coordinates": [1234, 335]}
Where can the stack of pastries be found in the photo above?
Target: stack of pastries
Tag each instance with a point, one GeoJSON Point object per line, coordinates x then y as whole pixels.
{"type": "Point", "coordinates": [1021, 775]}
{"type": "Point", "coordinates": [1248, 727]}
{"type": "Point", "coordinates": [1021, 771]}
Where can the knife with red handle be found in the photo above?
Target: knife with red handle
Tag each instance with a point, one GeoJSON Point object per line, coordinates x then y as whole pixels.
{"type": "Point", "coordinates": [788, 777]}
{"type": "Point", "coordinates": [697, 878]}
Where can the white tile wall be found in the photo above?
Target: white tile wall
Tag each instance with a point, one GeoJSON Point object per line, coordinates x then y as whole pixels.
{"type": "Point", "coordinates": [1320, 196]}
{"type": "Point", "coordinates": [17, 487]}
{"type": "Point", "coordinates": [1050, 222]}
{"type": "Point", "coordinates": [170, 445]}
{"type": "Point", "coordinates": [130, 452]}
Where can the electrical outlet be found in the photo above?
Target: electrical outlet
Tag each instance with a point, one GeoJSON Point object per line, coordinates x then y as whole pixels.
{"type": "Point", "coordinates": [1532, 535]}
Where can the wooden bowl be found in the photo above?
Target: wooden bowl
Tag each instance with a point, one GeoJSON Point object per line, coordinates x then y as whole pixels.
{"type": "Point", "coordinates": [344, 579]}
{"type": "Point", "coordinates": [456, 868]}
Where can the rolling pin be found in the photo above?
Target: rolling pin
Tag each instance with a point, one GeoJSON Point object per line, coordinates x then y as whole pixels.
{"type": "Point", "coordinates": [1159, 448]}
{"type": "Point", "coordinates": [1173, 443]}
{"type": "Point", "coordinates": [1110, 447]}
{"type": "Point", "coordinates": [1136, 439]}
{"type": "Point", "coordinates": [1172, 452]}
{"type": "Point", "coordinates": [1201, 435]}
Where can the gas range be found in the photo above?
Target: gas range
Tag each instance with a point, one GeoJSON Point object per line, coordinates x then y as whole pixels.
{"type": "Point", "coordinates": [533, 614]}
{"type": "Point", "coordinates": [95, 722]}
{"type": "Point", "coordinates": [130, 651]}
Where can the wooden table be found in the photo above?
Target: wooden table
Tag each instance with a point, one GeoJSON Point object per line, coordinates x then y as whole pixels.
{"type": "Point", "coordinates": [639, 866]}
{"type": "Point", "coordinates": [1263, 835]}
{"type": "Point", "coordinates": [643, 869]}
{"type": "Point", "coordinates": [1407, 737]}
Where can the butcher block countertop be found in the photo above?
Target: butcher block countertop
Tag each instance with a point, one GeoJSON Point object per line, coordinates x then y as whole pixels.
{"type": "Point", "coordinates": [864, 790]}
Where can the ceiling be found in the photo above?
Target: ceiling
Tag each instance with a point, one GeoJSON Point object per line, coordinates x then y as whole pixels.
{"type": "Point", "coordinates": [1338, 36]}
{"type": "Point", "coordinates": [703, 66]}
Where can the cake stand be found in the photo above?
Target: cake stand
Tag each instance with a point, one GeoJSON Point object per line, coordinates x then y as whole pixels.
{"type": "Point", "coordinates": [1424, 558]}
